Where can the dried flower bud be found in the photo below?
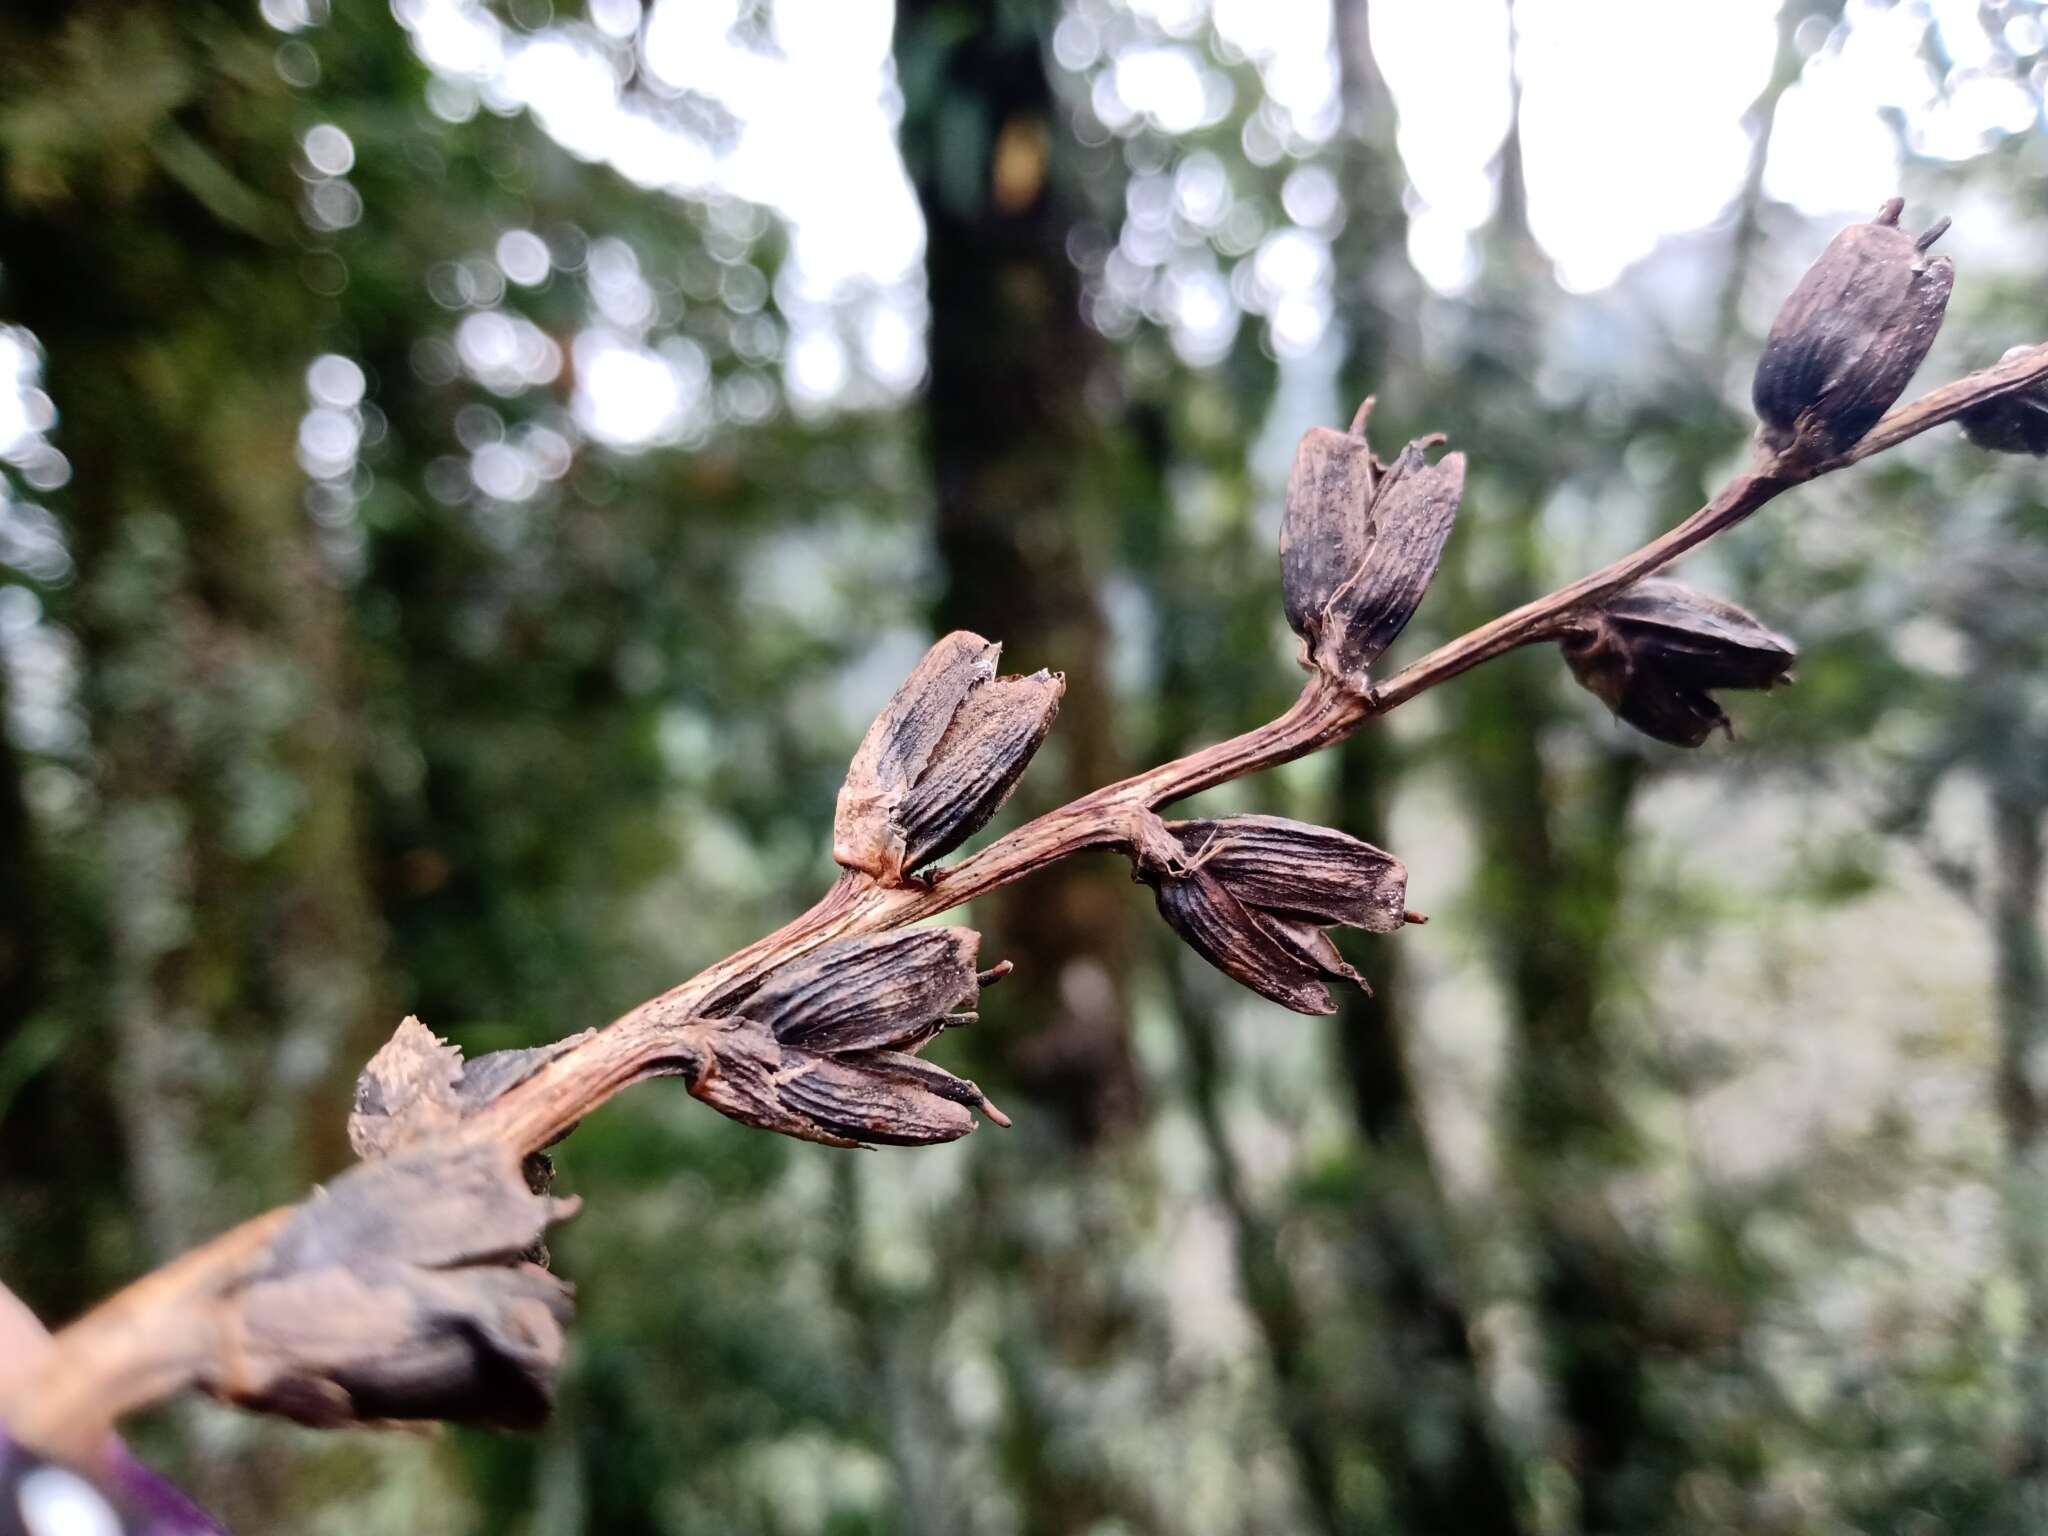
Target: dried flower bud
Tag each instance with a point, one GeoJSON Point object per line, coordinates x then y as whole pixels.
{"type": "Point", "coordinates": [1851, 336]}
{"type": "Point", "coordinates": [1360, 542]}
{"type": "Point", "coordinates": [2011, 423]}
{"type": "Point", "coordinates": [1252, 895]}
{"type": "Point", "coordinates": [826, 1048]}
{"type": "Point", "coordinates": [941, 759]}
{"type": "Point", "coordinates": [1653, 651]}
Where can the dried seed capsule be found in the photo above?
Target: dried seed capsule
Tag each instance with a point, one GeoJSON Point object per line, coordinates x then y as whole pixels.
{"type": "Point", "coordinates": [1252, 895]}
{"type": "Point", "coordinates": [1851, 336]}
{"type": "Point", "coordinates": [842, 1100]}
{"type": "Point", "coordinates": [737, 1077]}
{"type": "Point", "coordinates": [1234, 939]}
{"type": "Point", "coordinates": [1653, 651]}
{"type": "Point", "coordinates": [994, 735]}
{"type": "Point", "coordinates": [940, 759]}
{"type": "Point", "coordinates": [825, 1050]}
{"type": "Point", "coordinates": [915, 1071]}
{"type": "Point", "coordinates": [2013, 423]}
{"type": "Point", "coordinates": [1288, 866]}
{"type": "Point", "coordinates": [372, 1343]}
{"type": "Point", "coordinates": [1360, 542]}
{"type": "Point", "coordinates": [1308, 944]}
{"type": "Point", "coordinates": [882, 1096]}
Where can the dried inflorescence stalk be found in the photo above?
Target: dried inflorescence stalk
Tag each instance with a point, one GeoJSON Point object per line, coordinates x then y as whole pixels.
{"type": "Point", "coordinates": [413, 1285]}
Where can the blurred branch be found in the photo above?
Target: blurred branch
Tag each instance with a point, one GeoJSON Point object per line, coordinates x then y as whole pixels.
{"type": "Point", "coordinates": [133, 1349]}
{"type": "Point", "coordinates": [1746, 237]}
{"type": "Point", "coordinates": [407, 1288]}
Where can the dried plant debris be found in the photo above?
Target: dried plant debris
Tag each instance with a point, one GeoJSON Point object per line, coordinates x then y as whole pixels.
{"type": "Point", "coordinates": [399, 1292]}
{"type": "Point", "coordinates": [2016, 422]}
{"type": "Point", "coordinates": [418, 1085]}
{"type": "Point", "coordinates": [1360, 542]}
{"type": "Point", "coordinates": [1852, 335]}
{"type": "Point", "coordinates": [941, 759]}
{"type": "Point", "coordinates": [1654, 651]}
{"type": "Point", "coordinates": [826, 1048]}
{"type": "Point", "coordinates": [1253, 894]}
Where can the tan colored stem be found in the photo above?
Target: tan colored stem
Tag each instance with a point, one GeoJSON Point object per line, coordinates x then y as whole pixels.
{"type": "Point", "coordinates": [139, 1346]}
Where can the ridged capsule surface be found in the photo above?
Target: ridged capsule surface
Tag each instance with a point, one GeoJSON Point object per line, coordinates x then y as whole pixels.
{"type": "Point", "coordinates": [1851, 336]}
{"type": "Point", "coordinates": [940, 759]}
{"type": "Point", "coordinates": [1360, 542]}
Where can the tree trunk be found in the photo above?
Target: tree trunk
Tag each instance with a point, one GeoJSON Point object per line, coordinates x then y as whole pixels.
{"type": "Point", "coordinates": [1554, 908]}
{"type": "Point", "coordinates": [1269, 1291]}
{"type": "Point", "coordinates": [1430, 1427]}
{"type": "Point", "coordinates": [1012, 433]}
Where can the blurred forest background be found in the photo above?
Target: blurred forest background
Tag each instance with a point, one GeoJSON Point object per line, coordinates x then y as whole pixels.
{"type": "Point", "coordinates": [472, 471]}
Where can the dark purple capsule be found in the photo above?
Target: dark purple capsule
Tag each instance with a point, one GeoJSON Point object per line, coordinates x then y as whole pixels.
{"type": "Point", "coordinates": [1654, 653]}
{"type": "Point", "coordinates": [1851, 336]}
{"type": "Point", "coordinates": [1360, 542]}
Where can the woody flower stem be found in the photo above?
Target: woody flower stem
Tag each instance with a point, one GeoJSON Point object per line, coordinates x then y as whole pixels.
{"type": "Point", "coordinates": [641, 1041]}
{"type": "Point", "coordinates": [139, 1346]}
